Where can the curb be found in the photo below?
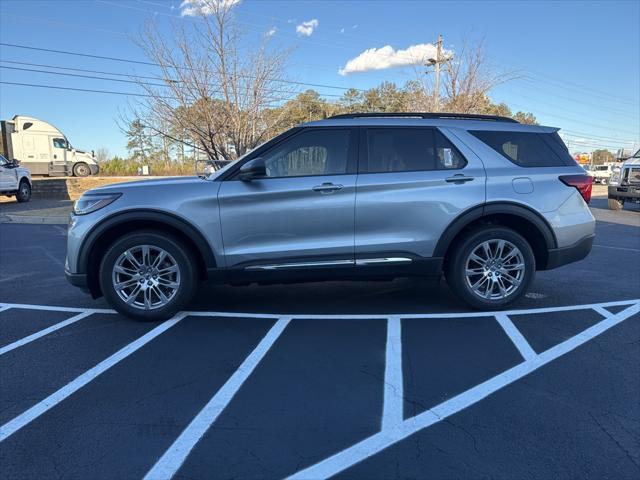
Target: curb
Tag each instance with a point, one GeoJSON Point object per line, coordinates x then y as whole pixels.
{"type": "Point", "coordinates": [32, 219]}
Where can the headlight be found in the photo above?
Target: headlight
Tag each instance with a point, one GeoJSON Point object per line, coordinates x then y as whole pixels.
{"type": "Point", "coordinates": [91, 202]}
{"type": "Point", "coordinates": [615, 177]}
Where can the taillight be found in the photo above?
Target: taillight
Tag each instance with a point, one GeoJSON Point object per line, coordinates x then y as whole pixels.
{"type": "Point", "coordinates": [582, 182]}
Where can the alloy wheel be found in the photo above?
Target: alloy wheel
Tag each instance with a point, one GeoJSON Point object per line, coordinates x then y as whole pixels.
{"type": "Point", "coordinates": [146, 277]}
{"type": "Point", "coordinates": [494, 269]}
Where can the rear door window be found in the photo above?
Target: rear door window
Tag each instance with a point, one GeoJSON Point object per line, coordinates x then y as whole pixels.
{"type": "Point", "coordinates": [527, 149]}
{"type": "Point", "coordinates": [409, 150]}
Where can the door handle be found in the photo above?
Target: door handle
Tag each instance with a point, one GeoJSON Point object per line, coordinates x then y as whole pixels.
{"type": "Point", "coordinates": [459, 178]}
{"type": "Point", "coordinates": [327, 187]}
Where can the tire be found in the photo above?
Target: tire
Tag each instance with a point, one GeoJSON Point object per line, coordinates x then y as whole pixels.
{"type": "Point", "coordinates": [178, 284]}
{"type": "Point", "coordinates": [615, 204]}
{"type": "Point", "coordinates": [497, 274]}
{"type": "Point", "coordinates": [24, 192]}
{"type": "Point", "coordinates": [81, 170]}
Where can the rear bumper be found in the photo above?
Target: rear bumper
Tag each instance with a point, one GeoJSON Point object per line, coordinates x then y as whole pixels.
{"type": "Point", "coordinates": [77, 280]}
{"type": "Point", "coordinates": [558, 257]}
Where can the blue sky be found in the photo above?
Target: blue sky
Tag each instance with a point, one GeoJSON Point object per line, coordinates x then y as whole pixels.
{"type": "Point", "coordinates": [578, 63]}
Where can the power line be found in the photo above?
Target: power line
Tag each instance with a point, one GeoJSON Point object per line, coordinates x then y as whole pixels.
{"type": "Point", "coordinates": [154, 64]}
{"type": "Point", "coordinates": [14, 62]}
{"type": "Point", "coordinates": [140, 62]}
{"type": "Point", "coordinates": [111, 92]}
{"type": "Point", "coordinates": [532, 85]}
{"type": "Point", "coordinates": [600, 126]}
{"type": "Point", "coordinates": [137, 82]}
{"type": "Point", "coordinates": [582, 134]}
{"type": "Point", "coordinates": [550, 78]}
{"type": "Point", "coordinates": [131, 94]}
{"type": "Point", "coordinates": [77, 75]}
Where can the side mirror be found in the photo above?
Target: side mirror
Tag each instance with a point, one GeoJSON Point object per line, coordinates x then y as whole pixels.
{"type": "Point", "coordinates": [255, 168]}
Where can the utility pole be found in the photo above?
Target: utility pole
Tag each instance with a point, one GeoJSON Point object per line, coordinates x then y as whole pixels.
{"type": "Point", "coordinates": [435, 62]}
{"type": "Point", "coordinates": [438, 60]}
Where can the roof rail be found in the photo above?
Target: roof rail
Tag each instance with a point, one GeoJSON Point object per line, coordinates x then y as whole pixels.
{"type": "Point", "coordinates": [458, 116]}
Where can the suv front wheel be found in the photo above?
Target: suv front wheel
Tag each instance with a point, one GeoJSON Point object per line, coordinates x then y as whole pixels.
{"type": "Point", "coordinates": [491, 267]}
{"type": "Point", "coordinates": [148, 275]}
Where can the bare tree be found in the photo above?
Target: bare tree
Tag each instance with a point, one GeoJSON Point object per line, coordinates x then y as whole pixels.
{"type": "Point", "coordinates": [102, 154]}
{"type": "Point", "coordinates": [215, 88]}
{"type": "Point", "coordinates": [467, 80]}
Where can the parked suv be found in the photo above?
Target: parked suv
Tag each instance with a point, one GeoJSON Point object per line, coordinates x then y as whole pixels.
{"type": "Point", "coordinates": [483, 199]}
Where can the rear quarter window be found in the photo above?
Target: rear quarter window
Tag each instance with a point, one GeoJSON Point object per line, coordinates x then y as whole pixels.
{"type": "Point", "coordinates": [527, 149]}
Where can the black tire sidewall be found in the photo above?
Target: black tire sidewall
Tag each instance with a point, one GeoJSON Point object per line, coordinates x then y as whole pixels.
{"type": "Point", "coordinates": [456, 272]}
{"type": "Point", "coordinates": [19, 196]}
{"type": "Point", "coordinates": [180, 253]}
{"type": "Point", "coordinates": [78, 166]}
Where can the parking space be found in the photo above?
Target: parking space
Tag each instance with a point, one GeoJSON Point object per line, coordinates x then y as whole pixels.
{"type": "Point", "coordinates": [347, 380]}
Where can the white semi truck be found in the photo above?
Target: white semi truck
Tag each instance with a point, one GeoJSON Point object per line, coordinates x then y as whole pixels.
{"type": "Point", "coordinates": [43, 149]}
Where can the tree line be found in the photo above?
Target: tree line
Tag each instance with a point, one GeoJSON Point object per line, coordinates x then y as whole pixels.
{"type": "Point", "coordinates": [220, 96]}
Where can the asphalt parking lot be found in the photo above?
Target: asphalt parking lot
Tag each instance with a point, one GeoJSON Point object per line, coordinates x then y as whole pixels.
{"type": "Point", "coordinates": [341, 379]}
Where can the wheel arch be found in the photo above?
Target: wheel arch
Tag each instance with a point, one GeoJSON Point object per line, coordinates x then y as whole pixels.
{"type": "Point", "coordinates": [108, 230]}
{"type": "Point", "coordinates": [528, 223]}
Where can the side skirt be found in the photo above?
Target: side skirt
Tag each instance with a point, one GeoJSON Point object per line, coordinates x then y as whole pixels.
{"type": "Point", "coordinates": [363, 269]}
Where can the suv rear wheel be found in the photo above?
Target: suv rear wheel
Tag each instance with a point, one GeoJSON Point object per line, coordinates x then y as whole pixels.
{"type": "Point", "coordinates": [491, 267]}
{"type": "Point", "coordinates": [148, 276]}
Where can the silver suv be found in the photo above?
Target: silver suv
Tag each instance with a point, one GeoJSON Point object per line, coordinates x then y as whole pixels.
{"type": "Point", "coordinates": [485, 200]}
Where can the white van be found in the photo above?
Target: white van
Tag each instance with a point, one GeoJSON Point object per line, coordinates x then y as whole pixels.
{"type": "Point", "coordinates": [43, 149]}
{"type": "Point", "coordinates": [601, 173]}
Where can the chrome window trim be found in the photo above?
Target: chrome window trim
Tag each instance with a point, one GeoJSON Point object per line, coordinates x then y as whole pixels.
{"type": "Point", "coordinates": [376, 261]}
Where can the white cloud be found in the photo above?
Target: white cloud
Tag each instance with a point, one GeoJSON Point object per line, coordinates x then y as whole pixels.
{"type": "Point", "coordinates": [388, 57]}
{"type": "Point", "coordinates": [306, 28]}
{"type": "Point", "coordinates": [193, 8]}
{"type": "Point", "coordinates": [272, 31]}
{"type": "Point", "coordinates": [342, 30]}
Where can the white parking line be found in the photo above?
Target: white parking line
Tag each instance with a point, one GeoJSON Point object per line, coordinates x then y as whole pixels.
{"type": "Point", "coordinates": [3, 308]}
{"type": "Point", "coordinates": [52, 308]}
{"type": "Point", "coordinates": [624, 249]}
{"type": "Point", "coordinates": [516, 337]}
{"type": "Point", "coordinates": [43, 332]}
{"type": "Point", "coordinates": [12, 426]}
{"type": "Point", "coordinates": [393, 402]}
{"type": "Point", "coordinates": [177, 453]}
{"type": "Point", "coordinates": [564, 308]}
{"type": "Point", "coordinates": [384, 439]}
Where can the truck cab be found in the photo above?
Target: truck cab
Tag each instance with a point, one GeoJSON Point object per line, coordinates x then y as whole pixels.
{"type": "Point", "coordinates": [44, 149]}
{"type": "Point", "coordinates": [625, 183]}
{"type": "Point", "coordinates": [14, 180]}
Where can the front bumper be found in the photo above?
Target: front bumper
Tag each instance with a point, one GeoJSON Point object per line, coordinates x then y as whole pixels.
{"type": "Point", "coordinates": [95, 169]}
{"type": "Point", "coordinates": [558, 257]}
{"type": "Point", "coordinates": [631, 192]}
